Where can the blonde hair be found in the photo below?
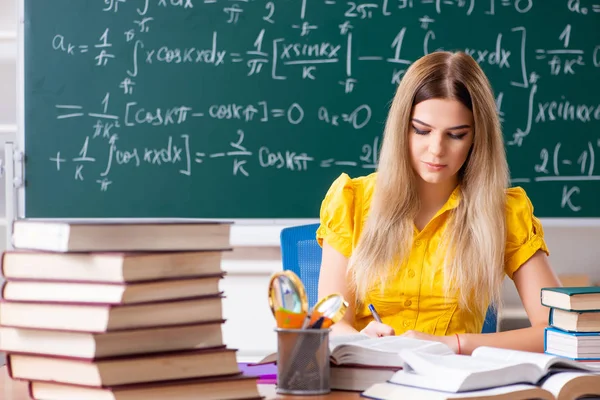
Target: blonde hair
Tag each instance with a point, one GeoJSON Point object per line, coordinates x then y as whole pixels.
{"type": "Point", "coordinates": [475, 236]}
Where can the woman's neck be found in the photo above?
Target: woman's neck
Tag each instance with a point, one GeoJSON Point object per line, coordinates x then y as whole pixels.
{"type": "Point", "coordinates": [432, 198]}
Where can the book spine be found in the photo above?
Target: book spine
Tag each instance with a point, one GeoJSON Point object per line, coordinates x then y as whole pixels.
{"type": "Point", "coordinates": [9, 365]}
{"type": "Point", "coordinates": [30, 390]}
{"type": "Point", "coordinates": [3, 263]}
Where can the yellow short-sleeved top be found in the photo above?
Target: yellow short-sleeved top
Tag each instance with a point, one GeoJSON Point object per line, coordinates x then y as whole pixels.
{"type": "Point", "coordinates": [414, 298]}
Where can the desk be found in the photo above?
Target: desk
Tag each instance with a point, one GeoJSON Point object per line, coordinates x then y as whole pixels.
{"type": "Point", "coordinates": [16, 390]}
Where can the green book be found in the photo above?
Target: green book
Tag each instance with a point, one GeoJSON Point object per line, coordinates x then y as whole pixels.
{"type": "Point", "coordinates": [583, 298]}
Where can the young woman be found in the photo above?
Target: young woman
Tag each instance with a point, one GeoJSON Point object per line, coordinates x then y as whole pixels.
{"type": "Point", "coordinates": [429, 237]}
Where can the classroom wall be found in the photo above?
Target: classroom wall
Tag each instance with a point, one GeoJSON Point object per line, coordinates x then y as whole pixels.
{"type": "Point", "coordinates": [573, 250]}
{"type": "Point", "coordinates": [249, 325]}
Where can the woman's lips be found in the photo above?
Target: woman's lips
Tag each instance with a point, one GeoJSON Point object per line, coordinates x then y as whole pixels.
{"type": "Point", "coordinates": [434, 167]}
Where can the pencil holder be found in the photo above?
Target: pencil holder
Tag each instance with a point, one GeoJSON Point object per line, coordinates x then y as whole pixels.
{"type": "Point", "coordinates": [303, 361]}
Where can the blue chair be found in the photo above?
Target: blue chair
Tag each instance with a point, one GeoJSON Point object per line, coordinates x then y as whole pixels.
{"type": "Point", "coordinates": [301, 253]}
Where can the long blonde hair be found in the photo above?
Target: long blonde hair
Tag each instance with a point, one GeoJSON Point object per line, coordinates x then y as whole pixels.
{"type": "Point", "coordinates": [475, 236]}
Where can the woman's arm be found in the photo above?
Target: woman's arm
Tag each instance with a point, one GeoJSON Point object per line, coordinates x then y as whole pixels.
{"type": "Point", "coordinates": [529, 279]}
{"type": "Point", "coordinates": [333, 279]}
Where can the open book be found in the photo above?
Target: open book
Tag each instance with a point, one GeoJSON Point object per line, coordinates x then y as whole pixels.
{"type": "Point", "coordinates": [488, 367]}
{"type": "Point", "coordinates": [363, 350]}
{"type": "Point", "coordinates": [382, 351]}
{"type": "Point", "coordinates": [563, 386]}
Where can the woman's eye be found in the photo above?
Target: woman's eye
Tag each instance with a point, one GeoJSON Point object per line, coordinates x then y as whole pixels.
{"type": "Point", "coordinates": [419, 132]}
{"type": "Point", "coordinates": [457, 135]}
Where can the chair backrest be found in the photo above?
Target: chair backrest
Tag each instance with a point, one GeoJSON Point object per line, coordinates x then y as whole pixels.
{"type": "Point", "coordinates": [301, 253]}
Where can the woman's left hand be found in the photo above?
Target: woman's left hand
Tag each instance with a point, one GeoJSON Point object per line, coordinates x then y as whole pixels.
{"type": "Point", "coordinates": [450, 341]}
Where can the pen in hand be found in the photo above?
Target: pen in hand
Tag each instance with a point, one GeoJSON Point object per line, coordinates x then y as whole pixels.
{"type": "Point", "coordinates": [374, 313]}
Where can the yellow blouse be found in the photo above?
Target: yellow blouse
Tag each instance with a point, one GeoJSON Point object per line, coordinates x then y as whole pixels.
{"type": "Point", "coordinates": [414, 298]}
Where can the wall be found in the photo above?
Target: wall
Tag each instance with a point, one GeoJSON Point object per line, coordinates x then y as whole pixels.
{"type": "Point", "coordinates": [249, 325]}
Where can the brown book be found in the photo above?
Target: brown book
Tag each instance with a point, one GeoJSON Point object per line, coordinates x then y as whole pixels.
{"type": "Point", "coordinates": [110, 344]}
{"type": "Point", "coordinates": [238, 387]}
{"type": "Point", "coordinates": [109, 317]}
{"type": "Point", "coordinates": [123, 370]}
{"type": "Point", "coordinates": [109, 267]}
{"type": "Point", "coordinates": [120, 235]}
{"type": "Point", "coordinates": [109, 293]}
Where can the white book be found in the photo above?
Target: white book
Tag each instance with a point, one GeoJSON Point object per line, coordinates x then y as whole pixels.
{"type": "Point", "coordinates": [362, 350]}
{"type": "Point", "coordinates": [487, 367]}
{"type": "Point", "coordinates": [562, 386]}
{"type": "Point", "coordinates": [388, 391]}
{"type": "Point", "coordinates": [382, 352]}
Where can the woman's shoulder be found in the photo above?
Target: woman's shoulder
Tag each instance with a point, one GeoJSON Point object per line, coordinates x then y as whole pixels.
{"type": "Point", "coordinates": [524, 231]}
{"type": "Point", "coordinates": [521, 222]}
{"type": "Point", "coordinates": [517, 201]}
{"type": "Point", "coordinates": [343, 211]}
{"type": "Point", "coordinates": [349, 189]}
{"type": "Point", "coordinates": [364, 180]}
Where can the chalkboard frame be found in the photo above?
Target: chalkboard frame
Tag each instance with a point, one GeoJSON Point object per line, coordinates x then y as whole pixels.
{"type": "Point", "coordinates": [246, 231]}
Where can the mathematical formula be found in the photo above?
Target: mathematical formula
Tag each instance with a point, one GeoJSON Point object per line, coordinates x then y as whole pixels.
{"type": "Point", "coordinates": [281, 44]}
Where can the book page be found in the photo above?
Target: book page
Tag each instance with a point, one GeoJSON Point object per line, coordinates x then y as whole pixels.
{"type": "Point", "coordinates": [462, 373]}
{"type": "Point", "coordinates": [535, 391]}
{"type": "Point", "coordinates": [392, 391]}
{"type": "Point", "coordinates": [555, 383]}
{"type": "Point", "coordinates": [390, 344]}
{"type": "Point", "coordinates": [544, 361]}
{"type": "Point", "coordinates": [336, 340]}
{"type": "Point", "coordinates": [458, 366]}
{"type": "Point", "coordinates": [513, 356]}
{"type": "Point", "coordinates": [383, 351]}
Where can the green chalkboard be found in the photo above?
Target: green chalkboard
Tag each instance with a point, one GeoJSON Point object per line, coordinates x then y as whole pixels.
{"type": "Point", "coordinates": [249, 109]}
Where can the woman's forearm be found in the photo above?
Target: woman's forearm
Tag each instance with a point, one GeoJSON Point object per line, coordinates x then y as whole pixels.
{"type": "Point", "coordinates": [527, 339]}
{"type": "Point", "coordinates": [343, 328]}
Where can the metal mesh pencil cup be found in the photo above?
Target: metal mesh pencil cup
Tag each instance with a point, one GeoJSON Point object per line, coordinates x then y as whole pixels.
{"type": "Point", "coordinates": [303, 361]}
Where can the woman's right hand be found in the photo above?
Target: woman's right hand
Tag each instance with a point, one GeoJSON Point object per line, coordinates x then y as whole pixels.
{"type": "Point", "coordinates": [377, 329]}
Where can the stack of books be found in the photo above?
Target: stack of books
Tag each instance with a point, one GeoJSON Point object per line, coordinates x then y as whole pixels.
{"type": "Point", "coordinates": [574, 323]}
{"type": "Point", "coordinates": [111, 310]}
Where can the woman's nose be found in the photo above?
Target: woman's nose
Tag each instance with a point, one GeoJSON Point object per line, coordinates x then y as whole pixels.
{"type": "Point", "coordinates": [436, 145]}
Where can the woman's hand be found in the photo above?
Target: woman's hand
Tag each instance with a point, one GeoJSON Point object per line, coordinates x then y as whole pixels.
{"type": "Point", "coordinates": [377, 329]}
{"type": "Point", "coordinates": [450, 341]}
